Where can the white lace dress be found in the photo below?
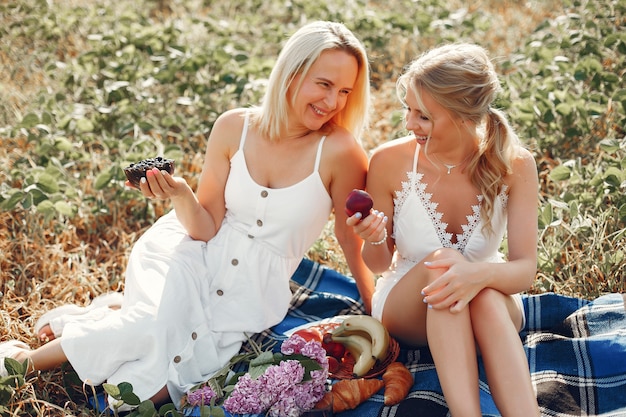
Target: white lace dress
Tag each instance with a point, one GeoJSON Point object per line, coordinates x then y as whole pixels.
{"type": "Point", "coordinates": [418, 231]}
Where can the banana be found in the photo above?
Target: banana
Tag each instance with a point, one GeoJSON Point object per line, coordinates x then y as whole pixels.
{"type": "Point", "coordinates": [361, 350]}
{"type": "Point", "coordinates": [374, 329]}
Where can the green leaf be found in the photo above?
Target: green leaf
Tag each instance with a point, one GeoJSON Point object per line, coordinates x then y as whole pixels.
{"type": "Point", "coordinates": [30, 120]}
{"type": "Point", "coordinates": [263, 359]}
{"type": "Point", "coordinates": [130, 398]}
{"type": "Point", "coordinates": [63, 144]}
{"type": "Point", "coordinates": [168, 410]}
{"type": "Point", "coordinates": [46, 208]}
{"type": "Point", "coordinates": [64, 208]}
{"type": "Point", "coordinates": [560, 173]}
{"type": "Point", "coordinates": [47, 183]}
{"type": "Point", "coordinates": [103, 179]}
{"type": "Point", "coordinates": [564, 109]}
{"type": "Point", "coordinates": [112, 390]}
{"type": "Point", "coordinates": [545, 216]}
{"type": "Point", "coordinates": [258, 370]}
{"type": "Point", "coordinates": [145, 408]}
{"type": "Point", "coordinates": [125, 387]}
{"type": "Point", "coordinates": [16, 197]}
{"type": "Point", "coordinates": [15, 369]}
{"type": "Point", "coordinates": [622, 214]}
{"type": "Point", "coordinates": [84, 125]}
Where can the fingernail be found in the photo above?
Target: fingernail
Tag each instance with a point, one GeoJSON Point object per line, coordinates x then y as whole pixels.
{"type": "Point", "coordinates": [381, 214]}
{"type": "Point", "coordinates": [164, 172]}
{"type": "Point", "coordinates": [142, 180]}
{"type": "Point", "coordinates": [385, 219]}
{"type": "Point", "coordinates": [425, 300]}
{"type": "Point", "coordinates": [375, 212]}
{"type": "Point", "coordinates": [430, 307]}
{"type": "Point", "coordinates": [423, 292]}
{"type": "Point", "coordinates": [358, 215]}
{"type": "Point", "coordinates": [427, 263]}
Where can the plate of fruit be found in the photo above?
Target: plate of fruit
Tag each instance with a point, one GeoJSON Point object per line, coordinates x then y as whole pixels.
{"type": "Point", "coordinates": [357, 346]}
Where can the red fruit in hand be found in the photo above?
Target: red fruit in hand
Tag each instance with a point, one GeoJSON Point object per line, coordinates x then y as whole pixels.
{"type": "Point", "coordinates": [310, 334]}
{"type": "Point", "coordinates": [359, 201]}
{"type": "Point", "coordinates": [334, 349]}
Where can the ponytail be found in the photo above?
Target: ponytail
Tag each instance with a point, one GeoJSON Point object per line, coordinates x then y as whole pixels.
{"type": "Point", "coordinates": [497, 149]}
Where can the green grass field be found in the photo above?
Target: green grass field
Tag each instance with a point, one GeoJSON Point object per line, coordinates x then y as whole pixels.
{"type": "Point", "coordinates": [89, 86]}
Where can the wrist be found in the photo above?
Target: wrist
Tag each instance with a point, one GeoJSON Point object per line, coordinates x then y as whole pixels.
{"type": "Point", "coordinates": [381, 241]}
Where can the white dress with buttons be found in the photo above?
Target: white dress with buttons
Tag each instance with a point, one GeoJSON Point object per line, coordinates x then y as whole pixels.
{"type": "Point", "coordinates": [187, 304]}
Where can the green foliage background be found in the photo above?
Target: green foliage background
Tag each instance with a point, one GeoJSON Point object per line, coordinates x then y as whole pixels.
{"type": "Point", "coordinates": [87, 87]}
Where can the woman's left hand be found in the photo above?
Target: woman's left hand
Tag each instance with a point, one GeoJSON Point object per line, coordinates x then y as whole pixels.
{"type": "Point", "coordinates": [161, 185]}
{"type": "Point", "coordinates": [456, 287]}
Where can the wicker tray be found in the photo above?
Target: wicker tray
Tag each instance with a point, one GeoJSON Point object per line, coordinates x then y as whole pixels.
{"type": "Point", "coordinates": [347, 363]}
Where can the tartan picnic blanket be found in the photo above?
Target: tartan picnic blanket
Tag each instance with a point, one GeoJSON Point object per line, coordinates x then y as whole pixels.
{"type": "Point", "coordinates": [576, 349]}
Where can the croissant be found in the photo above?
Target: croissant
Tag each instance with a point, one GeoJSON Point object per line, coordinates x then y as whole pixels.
{"type": "Point", "coordinates": [398, 382]}
{"type": "Point", "coordinates": [347, 394]}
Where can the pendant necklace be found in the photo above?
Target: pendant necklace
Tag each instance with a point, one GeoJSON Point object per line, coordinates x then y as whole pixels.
{"type": "Point", "coordinates": [452, 166]}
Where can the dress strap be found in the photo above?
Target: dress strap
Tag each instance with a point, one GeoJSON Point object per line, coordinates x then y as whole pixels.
{"type": "Point", "coordinates": [417, 152]}
{"type": "Point", "coordinates": [244, 131]}
{"type": "Point", "coordinates": [318, 158]}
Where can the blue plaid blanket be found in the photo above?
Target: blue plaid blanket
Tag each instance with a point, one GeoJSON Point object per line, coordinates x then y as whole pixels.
{"type": "Point", "coordinates": [576, 350]}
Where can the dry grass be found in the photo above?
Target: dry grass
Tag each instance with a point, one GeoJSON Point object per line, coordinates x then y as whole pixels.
{"type": "Point", "coordinates": [43, 265]}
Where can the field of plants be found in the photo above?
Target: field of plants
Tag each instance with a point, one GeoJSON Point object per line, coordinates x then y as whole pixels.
{"type": "Point", "coordinates": [88, 86]}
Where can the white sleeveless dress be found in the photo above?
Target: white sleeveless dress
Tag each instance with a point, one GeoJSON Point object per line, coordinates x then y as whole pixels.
{"type": "Point", "coordinates": [188, 303]}
{"type": "Point", "coordinates": [418, 231]}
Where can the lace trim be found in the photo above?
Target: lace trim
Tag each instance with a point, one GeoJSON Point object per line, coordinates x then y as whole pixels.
{"type": "Point", "coordinates": [415, 184]}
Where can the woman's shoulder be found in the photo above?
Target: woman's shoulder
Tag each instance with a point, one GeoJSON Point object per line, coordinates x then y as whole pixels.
{"type": "Point", "coordinates": [228, 125]}
{"type": "Point", "coordinates": [342, 149]}
{"type": "Point", "coordinates": [232, 118]}
{"type": "Point", "coordinates": [393, 148]}
{"type": "Point", "coordinates": [340, 140]}
{"type": "Point", "coordinates": [523, 160]}
{"type": "Point", "coordinates": [523, 169]}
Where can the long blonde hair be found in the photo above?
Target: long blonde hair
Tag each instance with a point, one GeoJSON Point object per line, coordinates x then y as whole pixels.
{"type": "Point", "coordinates": [296, 57]}
{"type": "Point", "coordinates": [461, 78]}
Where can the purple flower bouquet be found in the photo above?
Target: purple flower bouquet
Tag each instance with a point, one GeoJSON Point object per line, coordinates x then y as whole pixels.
{"type": "Point", "coordinates": [284, 384]}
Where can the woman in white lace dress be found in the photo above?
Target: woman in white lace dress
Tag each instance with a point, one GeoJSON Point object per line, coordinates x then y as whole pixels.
{"type": "Point", "coordinates": [456, 186]}
{"type": "Point", "coordinates": [218, 266]}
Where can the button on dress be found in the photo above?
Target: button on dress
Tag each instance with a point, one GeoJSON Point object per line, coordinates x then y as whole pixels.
{"type": "Point", "coordinates": [188, 304]}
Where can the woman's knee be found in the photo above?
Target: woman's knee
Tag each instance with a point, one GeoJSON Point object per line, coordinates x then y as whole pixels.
{"type": "Point", "coordinates": [438, 254]}
{"type": "Point", "coordinates": [488, 303]}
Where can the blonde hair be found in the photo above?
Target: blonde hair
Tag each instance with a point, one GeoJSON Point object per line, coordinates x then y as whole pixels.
{"type": "Point", "coordinates": [461, 78]}
{"type": "Point", "coordinates": [299, 53]}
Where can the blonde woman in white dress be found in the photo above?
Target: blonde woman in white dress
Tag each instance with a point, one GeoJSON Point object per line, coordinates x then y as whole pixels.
{"type": "Point", "coordinates": [455, 187]}
{"type": "Point", "coordinates": [217, 267]}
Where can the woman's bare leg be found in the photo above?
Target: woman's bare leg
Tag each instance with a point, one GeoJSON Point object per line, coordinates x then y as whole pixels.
{"type": "Point", "coordinates": [451, 342]}
{"type": "Point", "coordinates": [448, 335]}
{"type": "Point", "coordinates": [51, 356]}
{"type": "Point", "coordinates": [44, 358]}
{"type": "Point", "coordinates": [496, 319]}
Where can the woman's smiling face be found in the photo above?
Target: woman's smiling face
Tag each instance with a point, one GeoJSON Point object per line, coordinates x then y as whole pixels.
{"type": "Point", "coordinates": [435, 123]}
{"type": "Point", "coordinates": [325, 88]}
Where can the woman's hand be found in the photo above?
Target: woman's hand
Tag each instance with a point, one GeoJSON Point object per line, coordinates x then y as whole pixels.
{"type": "Point", "coordinates": [370, 229]}
{"type": "Point", "coordinates": [456, 287]}
{"type": "Point", "coordinates": [161, 185]}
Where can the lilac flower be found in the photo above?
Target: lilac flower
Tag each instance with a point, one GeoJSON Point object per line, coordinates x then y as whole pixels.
{"type": "Point", "coordinates": [314, 350]}
{"type": "Point", "coordinates": [292, 345]}
{"type": "Point", "coordinates": [280, 390]}
{"type": "Point", "coordinates": [202, 396]}
{"type": "Point", "coordinates": [280, 377]}
{"type": "Point", "coordinates": [245, 397]}
{"type": "Point", "coordinates": [286, 406]}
